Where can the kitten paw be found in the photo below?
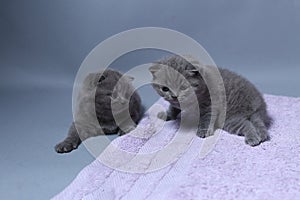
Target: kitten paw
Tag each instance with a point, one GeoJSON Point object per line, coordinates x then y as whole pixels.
{"type": "Point", "coordinates": [126, 130]}
{"type": "Point", "coordinates": [203, 133]}
{"type": "Point", "coordinates": [120, 133]}
{"type": "Point", "coordinates": [162, 115]}
{"type": "Point", "coordinates": [253, 140]}
{"type": "Point", "coordinates": [264, 137]}
{"type": "Point", "coordinates": [65, 147]}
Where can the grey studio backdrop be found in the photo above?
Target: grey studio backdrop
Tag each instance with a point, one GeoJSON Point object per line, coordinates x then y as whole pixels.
{"type": "Point", "coordinates": [42, 44]}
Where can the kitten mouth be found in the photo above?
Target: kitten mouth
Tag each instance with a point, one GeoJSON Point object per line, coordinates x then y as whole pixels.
{"type": "Point", "coordinates": [173, 100]}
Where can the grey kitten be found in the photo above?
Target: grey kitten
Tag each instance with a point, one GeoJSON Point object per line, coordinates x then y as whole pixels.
{"type": "Point", "coordinates": [246, 112]}
{"type": "Point", "coordinates": [105, 98]}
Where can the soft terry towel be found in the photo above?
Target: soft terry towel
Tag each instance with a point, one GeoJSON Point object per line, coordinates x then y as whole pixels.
{"type": "Point", "coordinates": [232, 170]}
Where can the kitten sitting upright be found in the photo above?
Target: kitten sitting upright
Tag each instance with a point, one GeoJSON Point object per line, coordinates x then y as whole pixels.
{"type": "Point", "coordinates": [103, 100]}
{"type": "Point", "coordinates": [175, 79]}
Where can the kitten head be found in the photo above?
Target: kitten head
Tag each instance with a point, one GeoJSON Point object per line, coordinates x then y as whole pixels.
{"type": "Point", "coordinates": [176, 79]}
{"type": "Point", "coordinates": [115, 95]}
{"type": "Point", "coordinates": [112, 84]}
{"type": "Point", "coordinates": [111, 87]}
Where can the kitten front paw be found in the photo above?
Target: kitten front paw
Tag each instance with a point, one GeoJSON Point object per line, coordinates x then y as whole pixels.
{"type": "Point", "coordinates": [203, 133]}
{"type": "Point", "coordinates": [162, 115]}
{"type": "Point", "coordinates": [264, 137]}
{"type": "Point", "coordinates": [126, 130]}
{"type": "Point", "coordinates": [253, 140]}
{"type": "Point", "coordinates": [66, 147]}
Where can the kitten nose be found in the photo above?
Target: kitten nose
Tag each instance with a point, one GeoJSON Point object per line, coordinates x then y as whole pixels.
{"type": "Point", "coordinates": [174, 97]}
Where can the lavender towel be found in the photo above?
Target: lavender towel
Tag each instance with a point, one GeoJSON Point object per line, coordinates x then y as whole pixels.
{"type": "Point", "coordinates": [232, 170]}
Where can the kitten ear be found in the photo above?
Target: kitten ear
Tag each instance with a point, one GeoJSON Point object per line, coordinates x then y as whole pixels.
{"type": "Point", "coordinates": [154, 68]}
{"type": "Point", "coordinates": [128, 78]}
{"type": "Point", "coordinates": [193, 72]}
{"type": "Point", "coordinates": [101, 78]}
{"type": "Point", "coordinates": [197, 71]}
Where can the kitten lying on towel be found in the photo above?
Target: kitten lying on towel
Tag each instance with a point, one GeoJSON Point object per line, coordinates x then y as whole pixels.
{"type": "Point", "coordinates": [112, 96]}
{"type": "Point", "coordinates": [246, 113]}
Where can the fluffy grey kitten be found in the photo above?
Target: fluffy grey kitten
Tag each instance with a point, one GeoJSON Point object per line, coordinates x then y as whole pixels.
{"type": "Point", "coordinates": [246, 113]}
{"type": "Point", "coordinates": [107, 99]}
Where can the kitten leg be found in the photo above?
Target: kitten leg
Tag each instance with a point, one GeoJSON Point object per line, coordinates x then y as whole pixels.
{"type": "Point", "coordinates": [171, 114]}
{"type": "Point", "coordinates": [136, 116]}
{"type": "Point", "coordinates": [253, 129]}
{"type": "Point", "coordinates": [120, 133]}
{"type": "Point", "coordinates": [71, 142]}
{"type": "Point", "coordinates": [260, 126]}
{"type": "Point", "coordinates": [234, 124]}
{"type": "Point", "coordinates": [244, 127]}
{"type": "Point", "coordinates": [108, 129]}
{"type": "Point", "coordinates": [125, 130]}
{"type": "Point", "coordinates": [126, 126]}
{"type": "Point", "coordinates": [206, 125]}
{"type": "Point", "coordinates": [252, 137]}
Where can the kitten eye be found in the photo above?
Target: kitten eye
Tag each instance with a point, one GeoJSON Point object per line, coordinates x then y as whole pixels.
{"type": "Point", "coordinates": [165, 89]}
{"type": "Point", "coordinates": [194, 84]}
{"type": "Point", "coordinates": [101, 79]}
{"type": "Point", "coordinates": [183, 87]}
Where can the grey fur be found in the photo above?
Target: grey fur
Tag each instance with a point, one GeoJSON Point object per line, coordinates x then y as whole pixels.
{"type": "Point", "coordinates": [107, 95]}
{"type": "Point", "coordinates": [246, 112]}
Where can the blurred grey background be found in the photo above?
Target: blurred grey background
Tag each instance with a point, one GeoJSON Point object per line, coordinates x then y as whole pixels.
{"type": "Point", "coordinates": [42, 44]}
